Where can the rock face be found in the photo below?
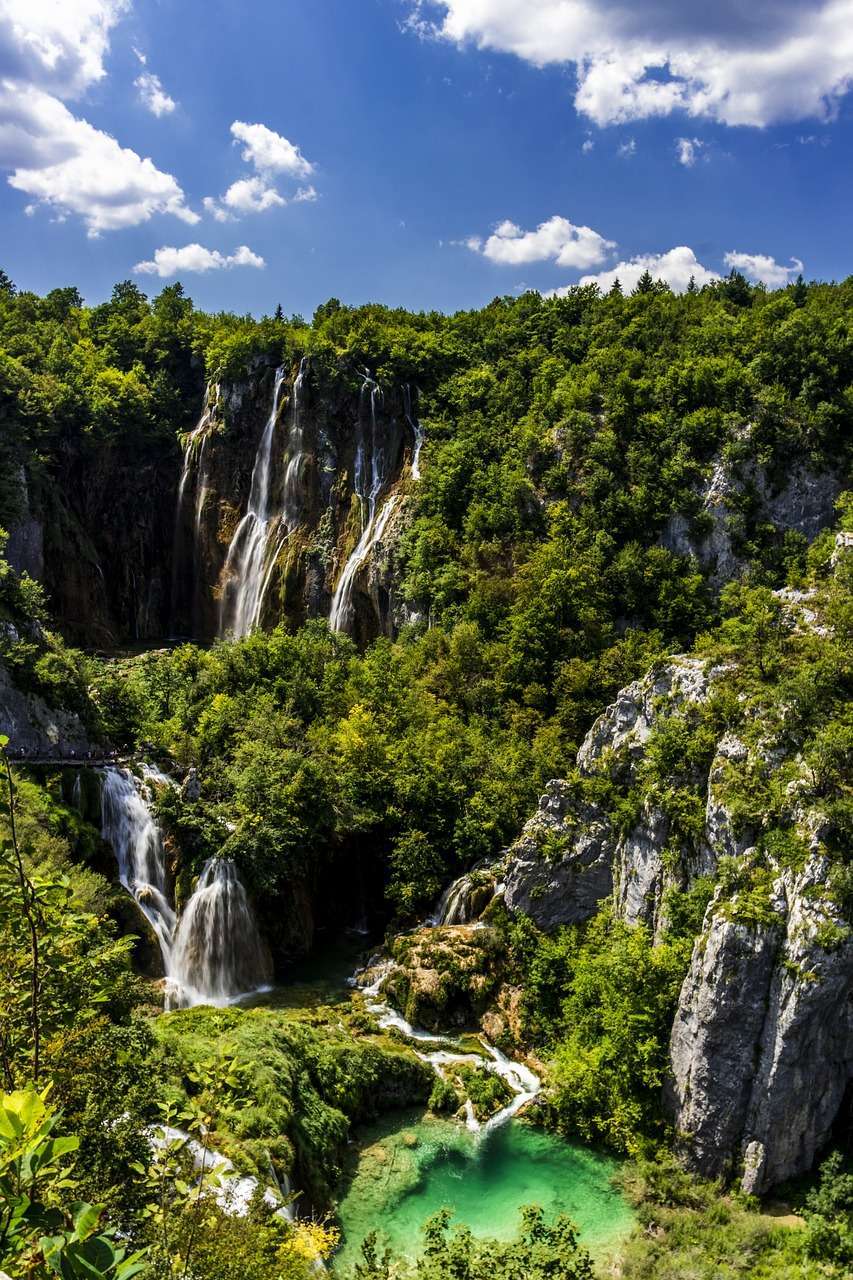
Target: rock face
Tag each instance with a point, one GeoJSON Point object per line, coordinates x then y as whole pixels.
{"type": "Point", "coordinates": [803, 503]}
{"type": "Point", "coordinates": [34, 727]}
{"type": "Point", "coordinates": [342, 452]}
{"type": "Point", "coordinates": [571, 855]}
{"type": "Point", "coordinates": [762, 1044]}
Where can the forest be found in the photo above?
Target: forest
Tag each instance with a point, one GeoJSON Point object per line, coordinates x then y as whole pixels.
{"type": "Point", "coordinates": [609, 486]}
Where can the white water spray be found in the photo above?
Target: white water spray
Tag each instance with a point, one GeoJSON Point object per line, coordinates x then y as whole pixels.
{"type": "Point", "coordinates": [244, 570]}
{"type": "Point", "coordinates": [218, 955]}
{"type": "Point", "coordinates": [417, 431]}
{"type": "Point", "coordinates": [523, 1083]}
{"type": "Point", "coordinates": [137, 842]}
{"type": "Point", "coordinates": [378, 517]}
{"type": "Point", "coordinates": [214, 954]}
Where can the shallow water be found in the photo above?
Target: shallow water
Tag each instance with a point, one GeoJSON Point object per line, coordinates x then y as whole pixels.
{"type": "Point", "coordinates": [403, 1173]}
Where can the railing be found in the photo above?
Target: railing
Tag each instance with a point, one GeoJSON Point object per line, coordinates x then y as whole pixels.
{"type": "Point", "coordinates": [62, 755]}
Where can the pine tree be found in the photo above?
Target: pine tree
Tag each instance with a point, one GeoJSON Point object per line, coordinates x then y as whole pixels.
{"type": "Point", "coordinates": [799, 291]}
{"type": "Point", "coordinates": [616, 288]}
{"type": "Point", "coordinates": [645, 284]}
{"type": "Point", "coordinates": [279, 314]}
{"type": "Point", "coordinates": [7, 285]}
{"type": "Point", "coordinates": [692, 286]}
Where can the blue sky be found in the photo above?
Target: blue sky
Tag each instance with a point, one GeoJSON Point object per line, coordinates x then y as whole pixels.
{"type": "Point", "coordinates": [426, 155]}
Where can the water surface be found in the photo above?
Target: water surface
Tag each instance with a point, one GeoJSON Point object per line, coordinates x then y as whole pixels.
{"type": "Point", "coordinates": [402, 1173]}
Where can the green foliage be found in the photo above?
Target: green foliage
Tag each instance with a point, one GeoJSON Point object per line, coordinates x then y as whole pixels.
{"type": "Point", "coordinates": [540, 1251]}
{"type": "Point", "coordinates": [43, 1231]}
{"type": "Point", "coordinates": [600, 1000]}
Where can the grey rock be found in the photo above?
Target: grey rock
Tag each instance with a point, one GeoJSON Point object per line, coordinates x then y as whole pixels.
{"type": "Point", "coordinates": [804, 504]}
{"type": "Point", "coordinates": [32, 726]}
{"type": "Point", "coordinates": [762, 1045]}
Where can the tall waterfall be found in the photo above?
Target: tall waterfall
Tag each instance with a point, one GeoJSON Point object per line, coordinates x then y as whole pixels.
{"type": "Point", "coordinates": [218, 954]}
{"type": "Point", "coordinates": [341, 613]}
{"type": "Point", "coordinates": [214, 953]}
{"type": "Point", "coordinates": [137, 842]}
{"type": "Point", "coordinates": [195, 473]}
{"type": "Point", "coordinates": [245, 563]}
{"type": "Point", "coordinates": [417, 431]}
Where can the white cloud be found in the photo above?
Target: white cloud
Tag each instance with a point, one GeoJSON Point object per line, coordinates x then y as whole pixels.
{"type": "Point", "coordinates": [556, 240]}
{"type": "Point", "coordinates": [306, 195]}
{"type": "Point", "coordinates": [251, 195]}
{"type": "Point", "coordinates": [588, 145]}
{"type": "Point", "coordinates": [58, 45]}
{"type": "Point", "coordinates": [269, 152]}
{"type": "Point", "coordinates": [213, 207]}
{"type": "Point", "coordinates": [55, 49]}
{"type": "Point", "coordinates": [74, 168]}
{"type": "Point", "coordinates": [627, 149]}
{"type": "Point", "coordinates": [168, 261]}
{"type": "Point", "coordinates": [153, 96]}
{"type": "Point", "coordinates": [687, 149]}
{"type": "Point", "coordinates": [740, 64]}
{"type": "Point", "coordinates": [764, 269]}
{"type": "Point", "coordinates": [675, 267]}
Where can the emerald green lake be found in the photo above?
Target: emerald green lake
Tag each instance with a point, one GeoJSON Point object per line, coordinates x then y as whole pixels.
{"type": "Point", "coordinates": [403, 1173]}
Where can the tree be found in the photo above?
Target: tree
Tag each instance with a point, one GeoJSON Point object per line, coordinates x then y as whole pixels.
{"type": "Point", "coordinates": [7, 285]}
{"type": "Point", "coordinates": [616, 288]}
{"type": "Point", "coordinates": [799, 291]}
{"type": "Point", "coordinates": [692, 286]}
{"type": "Point", "coordinates": [279, 314]}
{"type": "Point", "coordinates": [540, 1251]}
{"type": "Point", "coordinates": [645, 284]}
{"type": "Point", "coordinates": [41, 1232]}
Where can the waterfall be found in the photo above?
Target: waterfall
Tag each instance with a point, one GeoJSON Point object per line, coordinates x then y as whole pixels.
{"type": "Point", "coordinates": [417, 431]}
{"type": "Point", "coordinates": [217, 955]}
{"type": "Point", "coordinates": [341, 612]}
{"type": "Point", "coordinates": [523, 1083]}
{"type": "Point", "coordinates": [195, 465]}
{"type": "Point", "coordinates": [454, 903]}
{"type": "Point", "coordinates": [293, 490]}
{"type": "Point", "coordinates": [245, 563]}
{"type": "Point", "coordinates": [137, 842]}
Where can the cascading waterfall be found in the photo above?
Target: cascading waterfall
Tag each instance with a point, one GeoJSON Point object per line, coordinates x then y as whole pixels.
{"type": "Point", "coordinates": [137, 842]}
{"type": "Point", "coordinates": [453, 904]}
{"type": "Point", "coordinates": [293, 493]}
{"type": "Point", "coordinates": [217, 955]}
{"type": "Point", "coordinates": [417, 431]}
{"type": "Point", "coordinates": [214, 953]}
{"type": "Point", "coordinates": [194, 472]}
{"type": "Point", "coordinates": [244, 571]}
{"type": "Point", "coordinates": [524, 1083]}
{"type": "Point", "coordinates": [378, 517]}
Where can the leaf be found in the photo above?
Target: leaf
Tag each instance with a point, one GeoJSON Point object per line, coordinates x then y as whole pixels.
{"type": "Point", "coordinates": [85, 1218]}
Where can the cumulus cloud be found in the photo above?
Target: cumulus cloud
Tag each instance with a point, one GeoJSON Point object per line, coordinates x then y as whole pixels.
{"type": "Point", "coordinates": [556, 240]}
{"type": "Point", "coordinates": [269, 152]}
{"type": "Point", "coordinates": [251, 195]}
{"type": "Point", "coordinates": [153, 96]}
{"type": "Point", "coordinates": [57, 45]}
{"type": "Point", "coordinates": [66, 163]}
{"type": "Point", "coordinates": [740, 64]}
{"type": "Point", "coordinates": [687, 150]}
{"type": "Point", "coordinates": [675, 267]}
{"type": "Point", "coordinates": [764, 269]}
{"type": "Point", "coordinates": [52, 51]}
{"type": "Point", "coordinates": [627, 149]}
{"type": "Point", "coordinates": [168, 260]}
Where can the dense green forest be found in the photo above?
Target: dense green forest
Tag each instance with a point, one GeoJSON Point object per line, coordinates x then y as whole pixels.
{"type": "Point", "coordinates": [541, 576]}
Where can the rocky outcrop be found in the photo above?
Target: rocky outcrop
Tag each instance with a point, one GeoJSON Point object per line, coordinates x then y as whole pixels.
{"type": "Point", "coordinates": [571, 854]}
{"type": "Point", "coordinates": [742, 494]}
{"type": "Point", "coordinates": [446, 977]}
{"type": "Point", "coordinates": [33, 727]}
{"type": "Point", "coordinates": [762, 1044]}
